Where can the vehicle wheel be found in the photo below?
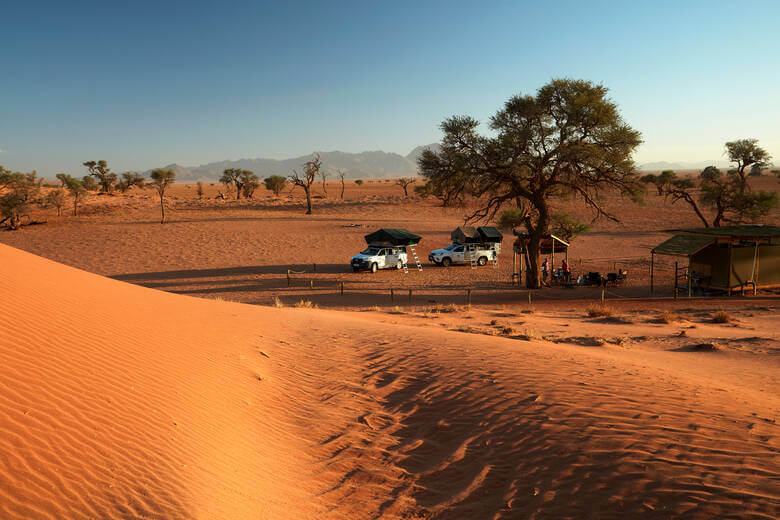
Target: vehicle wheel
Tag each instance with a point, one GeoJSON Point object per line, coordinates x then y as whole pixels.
{"type": "Point", "coordinates": [374, 267]}
{"type": "Point", "coordinates": [399, 265]}
{"type": "Point", "coordinates": [355, 269]}
{"type": "Point", "coordinates": [446, 261]}
{"type": "Point", "coordinates": [482, 260]}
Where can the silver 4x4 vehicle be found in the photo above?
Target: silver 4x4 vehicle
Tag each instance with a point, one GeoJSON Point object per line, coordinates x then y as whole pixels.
{"type": "Point", "coordinates": [465, 253]}
{"type": "Point", "coordinates": [377, 257]}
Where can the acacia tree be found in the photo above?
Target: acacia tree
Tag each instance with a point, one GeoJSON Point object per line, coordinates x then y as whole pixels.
{"type": "Point", "coordinates": [746, 152]}
{"type": "Point", "coordinates": [305, 179]}
{"type": "Point", "coordinates": [105, 178]}
{"type": "Point", "coordinates": [232, 176]}
{"type": "Point", "coordinates": [161, 179]}
{"type": "Point", "coordinates": [56, 199]}
{"type": "Point", "coordinates": [341, 174]}
{"type": "Point", "coordinates": [404, 183]}
{"type": "Point", "coordinates": [76, 190]}
{"type": "Point", "coordinates": [21, 192]}
{"type": "Point", "coordinates": [324, 176]}
{"type": "Point", "coordinates": [130, 179]}
{"type": "Point", "coordinates": [275, 183]}
{"type": "Point", "coordinates": [661, 181]}
{"type": "Point", "coordinates": [249, 183]}
{"type": "Point", "coordinates": [568, 139]}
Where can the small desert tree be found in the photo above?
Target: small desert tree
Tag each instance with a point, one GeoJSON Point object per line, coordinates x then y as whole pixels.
{"type": "Point", "coordinates": [359, 182]}
{"type": "Point", "coordinates": [744, 153]}
{"type": "Point", "coordinates": [567, 140]}
{"type": "Point", "coordinates": [76, 189]}
{"type": "Point", "coordinates": [404, 183]}
{"type": "Point", "coordinates": [89, 183]}
{"type": "Point", "coordinates": [341, 174]}
{"type": "Point", "coordinates": [56, 199]}
{"type": "Point", "coordinates": [661, 181]}
{"type": "Point", "coordinates": [62, 178]}
{"type": "Point", "coordinates": [22, 190]}
{"type": "Point", "coordinates": [249, 183]}
{"type": "Point", "coordinates": [105, 178]}
{"type": "Point", "coordinates": [161, 179]}
{"type": "Point", "coordinates": [275, 183]}
{"type": "Point", "coordinates": [199, 189]}
{"type": "Point", "coordinates": [311, 170]}
{"type": "Point", "coordinates": [130, 179]}
{"type": "Point", "coordinates": [324, 176]}
{"type": "Point", "coordinates": [230, 177]}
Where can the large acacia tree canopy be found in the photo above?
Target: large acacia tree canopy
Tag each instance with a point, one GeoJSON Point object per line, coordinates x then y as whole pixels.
{"type": "Point", "coordinates": [568, 138]}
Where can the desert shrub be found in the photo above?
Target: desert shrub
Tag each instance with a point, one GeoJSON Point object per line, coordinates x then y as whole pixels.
{"type": "Point", "coordinates": [199, 189]}
{"type": "Point", "coordinates": [102, 175]}
{"type": "Point", "coordinates": [423, 190]}
{"type": "Point", "coordinates": [250, 183]}
{"type": "Point", "coordinates": [669, 317]}
{"type": "Point", "coordinates": [55, 199]}
{"type": "Point", "coordinates": [359, 182]}
{"type": "Point", "coordinates": [507, 330]}
{"type": "Point", "coordinates": [23, 191]}
{"type": "Point", "coordinates": [275, 183]}
{"type": "Point", "coordinates": [130, 179]}
{"type": "Point", "coordinates": [89, 183]}
{"type": "Point", "coordinates": [721, 317]}
{"type": "Point", "coordinates": [600, 310]}
{"type": "Point", "coordinates": [277, 302]}
{"type": "Point", "coordinates": [305, 304]}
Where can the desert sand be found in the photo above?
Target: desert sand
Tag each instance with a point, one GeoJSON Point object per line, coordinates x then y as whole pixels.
{"type": "Point", "coordinates": [124, 401]}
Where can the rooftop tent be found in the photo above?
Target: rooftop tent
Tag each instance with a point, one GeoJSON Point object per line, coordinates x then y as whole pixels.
{"type": "Point", "coordinates": [471, 235]}
{"type": "Point", "coordinates": [392, 237]}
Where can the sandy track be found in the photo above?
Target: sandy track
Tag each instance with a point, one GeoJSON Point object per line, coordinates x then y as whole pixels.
{"type": "Point", "coordinates": [118, 401]}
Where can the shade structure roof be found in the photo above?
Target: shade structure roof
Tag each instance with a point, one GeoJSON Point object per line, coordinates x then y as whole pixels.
{"type": "Point", "coordinates": [745, 231]}
{"type": "Point", "coordinates": [683, 244]}
{"type": "Point", "coordinates": [392, 237]}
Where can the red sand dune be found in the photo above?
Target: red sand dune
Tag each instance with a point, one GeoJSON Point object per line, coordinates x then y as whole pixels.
{"type": "Point", "coordinates": [118, 401]}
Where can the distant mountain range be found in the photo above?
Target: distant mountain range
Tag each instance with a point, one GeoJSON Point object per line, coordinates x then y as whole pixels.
{"type": "Point", "coordinates": [375, 164]}
{"type": "Point", "coordinates": [663, 165]}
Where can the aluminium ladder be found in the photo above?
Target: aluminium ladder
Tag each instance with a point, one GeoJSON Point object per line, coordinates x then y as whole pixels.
{"type": "Point", "coordinates": [416, 259]}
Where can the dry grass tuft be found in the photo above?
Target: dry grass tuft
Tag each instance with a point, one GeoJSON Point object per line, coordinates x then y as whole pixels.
{"type": "Point", "coordinates": [507, 330]}
{"type": "Point", "coordinates": [396, 310]}
{"type": "Point", "coordinates": [600, 310]}
{"type": "Point", "coordinates": [669, 317]}
{"type": "Point", "coordinates": [722, 317]}
{"type": "Point", "coordinates": [277, 302]}
{"type": "Point", "coordinates": [306, 304]}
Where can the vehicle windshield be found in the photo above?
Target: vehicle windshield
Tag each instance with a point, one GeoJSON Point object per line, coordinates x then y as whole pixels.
{"type": "Point", "coordinates": [370, 251]}
{"type": "Point", "coordinates": [450, 247]}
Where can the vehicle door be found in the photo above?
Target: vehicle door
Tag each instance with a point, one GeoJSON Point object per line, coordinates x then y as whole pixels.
{"type": "Point", "coordinates": [382, 258]}
{"type": "Point", "coordinates": [392, 257]}
{"type": "Point", "coordinates": [458, 254]}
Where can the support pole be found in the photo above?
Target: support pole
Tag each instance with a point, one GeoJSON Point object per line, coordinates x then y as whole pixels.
{"type": "Point", "coordinates": [410, 296]}
{"type": "Point", "coordinates": [288, 278]}
{"type": "Point", "coordinates": [675, 280]}
{"type": "Point", "coordinates": [731, 263]}
{"type": "Point", "coordinates": [652, 268]}
{"type": "Point", "coordinates": [341, 288]}
{"type": "Point", "coordinates": [468, 296]}
{"type": "Point", "coordinates": [689, 277]}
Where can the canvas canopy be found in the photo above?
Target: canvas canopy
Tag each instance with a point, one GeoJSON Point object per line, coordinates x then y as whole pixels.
{"type": "Point", "coordinates": [549, 244]}
{"type": "Point", "coordinates": [392, 237]}
{"type": "Point", "coordinates": [471, 235]}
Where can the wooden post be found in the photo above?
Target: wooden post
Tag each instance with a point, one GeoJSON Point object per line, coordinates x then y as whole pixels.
{"type": "Point", "coordinates": [410, 296]}
{"type": "Point", "coordinates": [755, 276]}
{"type": "Point", "coordinates": [675, 280]}
{"type": "Point", "coordinates": [602, 293]}
{"type": "Point", "coordinates": [652, 267]}
{"type": "Point", "coordinates": [552, 259]}
{"type": "Point", "coordinates": [468, 296]}
{"type": "Point", "coordinates": [311, 284]}
{"type": "Point", "coordinates": [341, 288]}
{"type": "Point", "coordinates": [689, 277]}
{"type": "Point", "coordinates": [314, 268]}
{"type": "Point", "coordinates": [392, 296]}
{"type": "Point", "coordinates": [514, 266]}
{"type": "Point", "coordinates": [288, 278]}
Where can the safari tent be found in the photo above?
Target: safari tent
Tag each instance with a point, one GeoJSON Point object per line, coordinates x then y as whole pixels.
{"type": "Point", "coordinates": [392, 237]}
{"type": "Point", "coordinates": [478, 235]}
{"type": "Point", "coordinates": [726, 258]}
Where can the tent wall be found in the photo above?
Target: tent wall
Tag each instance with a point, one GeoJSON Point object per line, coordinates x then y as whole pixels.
{"type": "Point", "coordinates": [713, 263]}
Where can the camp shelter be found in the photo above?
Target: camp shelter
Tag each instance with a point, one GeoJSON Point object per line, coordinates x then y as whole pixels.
{"type": "Point", "coordinates": [479, 235]}
{"type": "Point", "coordinates": [548, 245]}
{"type": "Point", "coordinates": [392, 237]}
{"type": "Point", "coordinates": [725, 258]}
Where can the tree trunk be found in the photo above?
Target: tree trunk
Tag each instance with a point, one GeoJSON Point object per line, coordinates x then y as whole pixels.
{"type": "Point", "coordinates": [308, 200]}
{"type": "Point", "coordinates": [342, 189]}
{"type": "Point", "coordinates": [535, 233]}
{"type": "Point", "coordinates": [162, 209]}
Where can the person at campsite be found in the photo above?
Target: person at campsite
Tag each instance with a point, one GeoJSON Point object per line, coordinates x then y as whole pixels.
{"type": "Point", "coordinates": [545, 267]}
{"type": "Point", "coordinates": [566, 271]}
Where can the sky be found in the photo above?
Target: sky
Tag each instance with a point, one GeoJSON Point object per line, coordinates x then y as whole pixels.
{"type": "Point", "coordinates": [146, 84]}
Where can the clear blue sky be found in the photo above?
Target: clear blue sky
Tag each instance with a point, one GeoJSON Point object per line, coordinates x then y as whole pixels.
{"type": "Point", "coordinates": [144, 84]}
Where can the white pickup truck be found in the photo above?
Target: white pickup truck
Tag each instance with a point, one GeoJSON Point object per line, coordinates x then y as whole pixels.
{"type": "Point", "coordinates": [464, 253]}
{"type": "Point", "coordinates": [379, 257]}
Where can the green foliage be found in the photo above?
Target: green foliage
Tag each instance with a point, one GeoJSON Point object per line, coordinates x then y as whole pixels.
{"type": "Point", "coordinates": [130, 179]}
{"type": "Point", "coordinates": [161, 179]}
{"type": "Point", "coordinates": [89, 183]}
{"type": "Point", "coordinates": [567, 227]}
{"type": "Point", "coordinates": [105, 178]}
{"type": "Point", "coordinates": [359, 182]}
{"type": "Point", "coordinates": [423, 190]}
{"type": "Point", "coordinates": [22, 191]}
{"type": "Point", "coordinates": [249, 183]}
{"type": "Point", "coordinates": [746, 152]}
{"type": "Point", "coordinates": [275, 183]}
{"type": "Point", "coordinates": [512, 218]}
{"type": "Point", "coordinates": [56, 199]}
